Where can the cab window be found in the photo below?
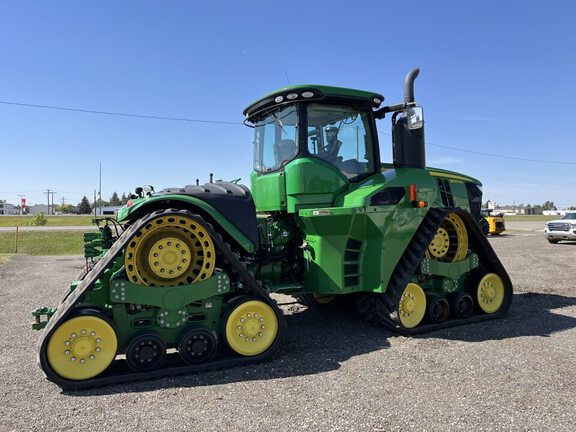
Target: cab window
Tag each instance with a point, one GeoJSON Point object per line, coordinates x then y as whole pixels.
{"type": "Point", "coordinates": [340, 136]}
{"type": "Point", "coordinates": [275, 140]}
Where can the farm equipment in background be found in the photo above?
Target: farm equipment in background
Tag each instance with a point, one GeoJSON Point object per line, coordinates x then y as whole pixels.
{"type": "Point", "coordinates": [186, 286]}
{"type": "Point", "coordinates": [492, 223]}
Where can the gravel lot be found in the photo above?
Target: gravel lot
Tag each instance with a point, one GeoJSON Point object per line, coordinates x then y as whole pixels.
{"type": "Point", "coordinates": [335, 372]}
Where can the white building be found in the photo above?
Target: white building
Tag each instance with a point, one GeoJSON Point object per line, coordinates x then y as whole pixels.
{"type": "Point", "coordinates": [38, 208]}
{"type": "Point", "coordinates": [7, 209]}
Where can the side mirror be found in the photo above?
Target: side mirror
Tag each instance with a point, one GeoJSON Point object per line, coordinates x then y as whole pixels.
{"type": "Point", "coordinates": [415, 118]}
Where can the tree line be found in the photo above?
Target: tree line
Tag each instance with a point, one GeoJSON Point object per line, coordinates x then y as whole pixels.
{"type": "Point", "coordinates": [86, 207]}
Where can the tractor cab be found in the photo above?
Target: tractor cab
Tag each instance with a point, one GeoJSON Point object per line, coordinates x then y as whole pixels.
{"type": "Point", "coordinates": [310, 143]}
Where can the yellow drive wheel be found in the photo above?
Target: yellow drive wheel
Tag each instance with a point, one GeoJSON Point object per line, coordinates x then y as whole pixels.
{"type": "Point", "coordinates": [490, 293]}
{"type": "Point", "coordinates": [412, 306]}
{"type": "Point", "coordinates": [170, 250]}
{"type": "Point", "coordinates": [450, 243]}
{"type": "Point", "coordinates": [251, 327]}
{"type": "Point", "coordinates": [82, 347]}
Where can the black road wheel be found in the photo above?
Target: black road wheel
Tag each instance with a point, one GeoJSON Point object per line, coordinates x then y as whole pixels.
{"type": "Point", "coordinates": [438, 309]}
{"type": "Point", "coordinates": [461, 304]}
{"type": "Point", "coordinates": [146, 352]}
{"type": "Point", "coordinates": [197, 345]}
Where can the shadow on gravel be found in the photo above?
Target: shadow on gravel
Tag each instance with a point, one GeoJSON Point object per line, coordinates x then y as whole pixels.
{"type": "Point", "coordinates": [319, 340]}
{"type": "Point", "coordinates": [531, 314]}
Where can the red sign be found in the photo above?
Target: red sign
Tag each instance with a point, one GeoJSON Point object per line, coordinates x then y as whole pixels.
{"type": "Point", "coordinates": [23, 202]}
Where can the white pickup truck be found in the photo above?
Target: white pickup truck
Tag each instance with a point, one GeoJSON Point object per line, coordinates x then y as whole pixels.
{"type": "Point", "coordinates": [561, 229]}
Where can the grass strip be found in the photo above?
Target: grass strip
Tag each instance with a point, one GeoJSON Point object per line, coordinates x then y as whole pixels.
{"type": "Point", "coordinates": [42, 243]}
{"type": "Point", "coordinates": [13, 221]}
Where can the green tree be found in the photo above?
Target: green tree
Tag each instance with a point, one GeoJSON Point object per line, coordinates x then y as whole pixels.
{"type": "Point", "coordinates": [102, 203]}
{"type": "Point", "coordinates": [124, 199]}
{"type": "Point", "coordinates": [84, 207]}
{"type": "Point", "coordinates": [548, 205]}
{"type": "Point", "coordinates": [64, 208]}
{"type": "Point", "coordinates": [115, 201]}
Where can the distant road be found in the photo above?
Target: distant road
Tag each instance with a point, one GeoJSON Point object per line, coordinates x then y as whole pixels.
{"type": "Point", "coordinates": [50, 228]}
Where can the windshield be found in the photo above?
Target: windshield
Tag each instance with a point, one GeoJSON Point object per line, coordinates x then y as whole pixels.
{"type": "Point", "coordinates": [275, 139]}
{"type": "Point", "coordinates": [571, 216]}
{"type": "Point", "coordinates": [340, 135]}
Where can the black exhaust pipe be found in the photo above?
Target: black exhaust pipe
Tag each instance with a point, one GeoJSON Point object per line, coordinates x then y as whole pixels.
{"type": "Point", "coordinates": [409, 85]}
{"type": "Point", "coordinates": [408, 147]}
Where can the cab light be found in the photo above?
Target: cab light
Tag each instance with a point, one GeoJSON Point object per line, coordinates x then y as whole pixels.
{"type": "Point", "coordinates": [422, 204]}
{"type": "Point", "coordinates": [291, 96]}
{"type": "Point", "coordinates": [279, 99]}
{"type": "Point", "coordinates": [307, 94]}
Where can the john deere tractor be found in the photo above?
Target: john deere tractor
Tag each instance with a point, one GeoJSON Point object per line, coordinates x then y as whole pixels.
{"type": "Point", "coordinates": [184, 282]}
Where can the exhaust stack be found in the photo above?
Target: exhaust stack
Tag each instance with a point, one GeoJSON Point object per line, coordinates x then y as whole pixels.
{"type": "Point", "coordinates": [408, 146]}
{"type": "Point", "coordinates": [409, 85]}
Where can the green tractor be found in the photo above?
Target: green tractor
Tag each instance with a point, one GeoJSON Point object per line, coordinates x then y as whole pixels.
{"type": "Point", "coordinates": [184, 283]}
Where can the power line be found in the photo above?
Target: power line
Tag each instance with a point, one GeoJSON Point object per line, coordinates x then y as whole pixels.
{"type": "Point", "coordinates": [240, 123]}
{"type": "Point", "coordinates": [501, 156]}
{"type": "Point", "coordinates": [27, 105]}
{"type": "Point", "coordinates": [492, 154]}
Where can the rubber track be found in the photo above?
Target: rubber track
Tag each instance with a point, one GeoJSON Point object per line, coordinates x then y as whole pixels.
{"type": "Point", "coordinates": [382, 308]}
{"type": "Point", "coordinates": [118, 372]}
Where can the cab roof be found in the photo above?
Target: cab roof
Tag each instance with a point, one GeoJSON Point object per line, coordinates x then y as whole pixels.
{"type": "Point", "coordinates": [312, 92]}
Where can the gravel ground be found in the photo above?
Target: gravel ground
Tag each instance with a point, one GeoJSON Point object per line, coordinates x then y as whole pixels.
{"type": "Point", "coordinates": [335, 372]}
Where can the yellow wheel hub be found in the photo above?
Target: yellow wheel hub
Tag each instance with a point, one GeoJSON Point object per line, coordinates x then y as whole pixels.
{"type": "Point", "coordinates": [170, 250]}
{"type": "Point", "coordinates": [490, 293]}
{"type": "Point", "coordinates": [412, 306]}
{"type": "Point", "coordinates": [450, 244]}
{"type": "Point", "coordinates": [82, 347]}
{"type": "Point", "coordinates": [251, 328]}
{"type": "Point", "coordinates": [440, 244]}
{"type": "Point", "coordinates": [169, 257]}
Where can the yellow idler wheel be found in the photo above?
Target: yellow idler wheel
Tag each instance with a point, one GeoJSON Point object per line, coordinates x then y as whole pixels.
{"type": "Point", "coordinates": [251, 327]}
{"type": "Point", "coordinates": [412, 306]}
{"type": "Point", "coordinates": [450, 243]}
{"type": "Point", "coordinates": [82, 347]}
{"type": "Point", "coordinates": [170, 250]}
{"type": "Point", "coordinates": [490, 293]}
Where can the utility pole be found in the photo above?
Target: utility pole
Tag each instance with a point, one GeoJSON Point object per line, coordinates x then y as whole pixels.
{"type": "Point", "coordinates": [48, 198]}
{"type": "Point", "coordinates": [52, 193]}
{"type": "Point", "coordinates": [48, 193]}
{"type": "Point", "coordinates": [100, 187]}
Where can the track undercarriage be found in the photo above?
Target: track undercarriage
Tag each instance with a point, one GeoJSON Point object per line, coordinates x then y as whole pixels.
{"type": "Point", "coordinates": [407, 308]}
{"type": "Point", "coordinates": [112, 328]}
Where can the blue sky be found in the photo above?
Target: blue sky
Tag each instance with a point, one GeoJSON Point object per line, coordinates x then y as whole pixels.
{"type": "Point", "coordinates": [497, 77]}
